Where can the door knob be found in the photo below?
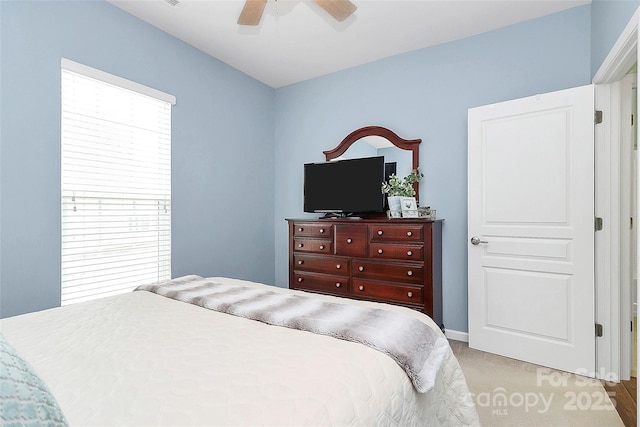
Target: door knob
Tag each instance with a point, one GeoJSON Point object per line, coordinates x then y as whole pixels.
{"type": "Point", "coordinates": [476, 240]}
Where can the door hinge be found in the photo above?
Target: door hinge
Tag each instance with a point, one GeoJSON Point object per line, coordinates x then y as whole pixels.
{"type": "Point", "coordinates": [598, 117]}
{"type": "Point", "coordinates": [598, 223]}
{"type": "Point", "coordinates": [598, 330]}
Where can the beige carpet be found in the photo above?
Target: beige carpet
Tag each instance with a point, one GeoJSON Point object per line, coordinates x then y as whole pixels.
{"type": "Point", "coordinates": [509, 392]}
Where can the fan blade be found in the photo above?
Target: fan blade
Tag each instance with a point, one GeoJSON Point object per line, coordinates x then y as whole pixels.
{"type": "Point", "coordinates": [339, 9]}
{"type": "Point", "coordinates": [251, 12]}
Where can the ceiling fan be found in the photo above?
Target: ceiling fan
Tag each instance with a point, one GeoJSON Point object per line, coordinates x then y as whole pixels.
{"type": "Point", "coordinates": [252, 10]}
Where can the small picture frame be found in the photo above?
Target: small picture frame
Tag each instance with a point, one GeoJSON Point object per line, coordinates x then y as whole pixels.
{"type": "Point", "coordinates": [409, 207]}
{"type": "Point", "coordinates": [427, 213]}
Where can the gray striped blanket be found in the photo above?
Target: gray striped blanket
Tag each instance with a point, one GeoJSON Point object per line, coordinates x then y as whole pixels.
{"type": "Point", "coordinates": [417, 348]}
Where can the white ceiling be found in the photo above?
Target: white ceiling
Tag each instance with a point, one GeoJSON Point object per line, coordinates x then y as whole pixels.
{"type": "Point", "coordinates": [297, 40]}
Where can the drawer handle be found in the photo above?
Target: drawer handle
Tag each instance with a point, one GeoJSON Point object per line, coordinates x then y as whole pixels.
{"type": "Point", "coordinates": [379, 232]}
{"type": "Point", "coordinates": [361, 288]}
{"type": "Point", "coordinates": [380, 251]}
{"type": "Point", "coordinates": [409, 273]}
{"type": "Point", "coordinates": [300, 229]}
{"type": "Point", "coordinates": [409, 233]}
{"type": "Point", "coordinates": [338, 285]}
{"type": "Point", "coordinates": [301, 245]}
{"type": "Point", "coordinates": [349, 241]}
{"type": "Point", "coordinates": [300, 279]}
{"type": "Point", "coordinates": [321, 230]}
{"type": "Point", "coordinates": [409, 253]}
{"type": "Point", "coordinates": [361, 268]}
{"type": "Point", "coordinates": [321, 247]}
{"type": "Point", "coordinates": [410, 294]}
{"type": "Point", "coordinates": [300, 262]}
{"type": "Point", "coordinates": [338, 266]}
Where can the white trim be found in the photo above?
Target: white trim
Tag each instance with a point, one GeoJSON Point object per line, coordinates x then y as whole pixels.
{"type": "Point", "coordinates": [103, 76]}
{"type": "Point", "coordinates": [456, 335]}
{"type": "Point", "coordinates": [626, 233]}
{"type": "Point", "coordinates": [607, 204]}
{"type": "Point", "coordinates": [622, 56]}
{"type": "Point", "coordinates": [616, 65]}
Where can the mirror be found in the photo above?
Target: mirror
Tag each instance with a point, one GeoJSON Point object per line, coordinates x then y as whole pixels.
{"type": "Point", "coordinates": [378, 141]}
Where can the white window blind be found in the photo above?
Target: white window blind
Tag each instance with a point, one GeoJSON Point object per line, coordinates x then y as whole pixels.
{"type": "Point", "coordinates": [116, 185]}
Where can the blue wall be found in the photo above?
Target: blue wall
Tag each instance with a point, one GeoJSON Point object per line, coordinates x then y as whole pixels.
{"type": "Point", "coordinates": [222, 145]}
{"type": "Point", "coordinates": [426, 94]}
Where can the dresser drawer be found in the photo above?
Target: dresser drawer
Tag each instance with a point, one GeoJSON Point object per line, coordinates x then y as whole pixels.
{"type": "Point", "coordinates": [387, 291]}
{"type": "Point", "coordinates": [320, 283]}
{"type": "Point", "coordinates": [329, 265]}
{"type": "Point", "coordinates": [394, 272]}
{"type": "Point", "coordinates": [402, 232]}
{"type": "Point", "coordinates": [351, 240]}
{"type": "Point", "coordinates": [396, 251]}
{"type": "Point", "coordinates": [312, 229]}
{"type": "Point", "coordinates": [322, 246]}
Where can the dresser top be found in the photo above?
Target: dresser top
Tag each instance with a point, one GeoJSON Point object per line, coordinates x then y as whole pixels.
{"type": "Point", "coordinates": [365, 220]}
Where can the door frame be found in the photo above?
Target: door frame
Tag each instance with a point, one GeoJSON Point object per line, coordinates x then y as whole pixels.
{"type": "Point", "coordinates": [618, 62]}
{"type": "Point", "coordinates": [627, 216]}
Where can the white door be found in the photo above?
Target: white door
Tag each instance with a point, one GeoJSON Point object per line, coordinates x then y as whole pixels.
{"type": "Point", "coordinates": [531, 229]}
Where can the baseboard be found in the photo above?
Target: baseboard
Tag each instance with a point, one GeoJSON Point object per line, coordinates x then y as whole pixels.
{"type": "Point", "coordinates": [457, 335]}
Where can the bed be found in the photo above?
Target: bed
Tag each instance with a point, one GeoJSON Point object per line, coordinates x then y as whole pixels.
{"type": "Point", "coordinates": [142, 358]}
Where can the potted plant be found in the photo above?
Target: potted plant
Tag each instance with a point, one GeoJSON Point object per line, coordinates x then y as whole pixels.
{"type": "Point", "coordinates": [396, 188]}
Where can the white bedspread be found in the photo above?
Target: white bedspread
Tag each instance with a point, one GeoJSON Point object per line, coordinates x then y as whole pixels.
{"type": "Point", "coordinates": [142, 359]}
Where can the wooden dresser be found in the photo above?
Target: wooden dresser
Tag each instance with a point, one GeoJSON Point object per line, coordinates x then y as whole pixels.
{"type": "Point", "coordinates": [395, 261]}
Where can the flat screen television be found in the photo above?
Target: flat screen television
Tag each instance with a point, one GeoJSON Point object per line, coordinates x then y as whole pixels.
{"type": "Point", "coordinates": [345, 187]}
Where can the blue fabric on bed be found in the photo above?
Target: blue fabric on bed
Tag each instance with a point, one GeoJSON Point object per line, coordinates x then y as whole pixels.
{"type": "Point", "coordinates": [25, 400]}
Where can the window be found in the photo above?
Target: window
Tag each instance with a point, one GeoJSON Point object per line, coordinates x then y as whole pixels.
{"type": "Point", "coordinates": [116, 184]}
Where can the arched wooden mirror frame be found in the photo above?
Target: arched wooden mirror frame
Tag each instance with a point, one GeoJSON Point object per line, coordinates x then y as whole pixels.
{"type": "Point", "coordinates": [412, 145]}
